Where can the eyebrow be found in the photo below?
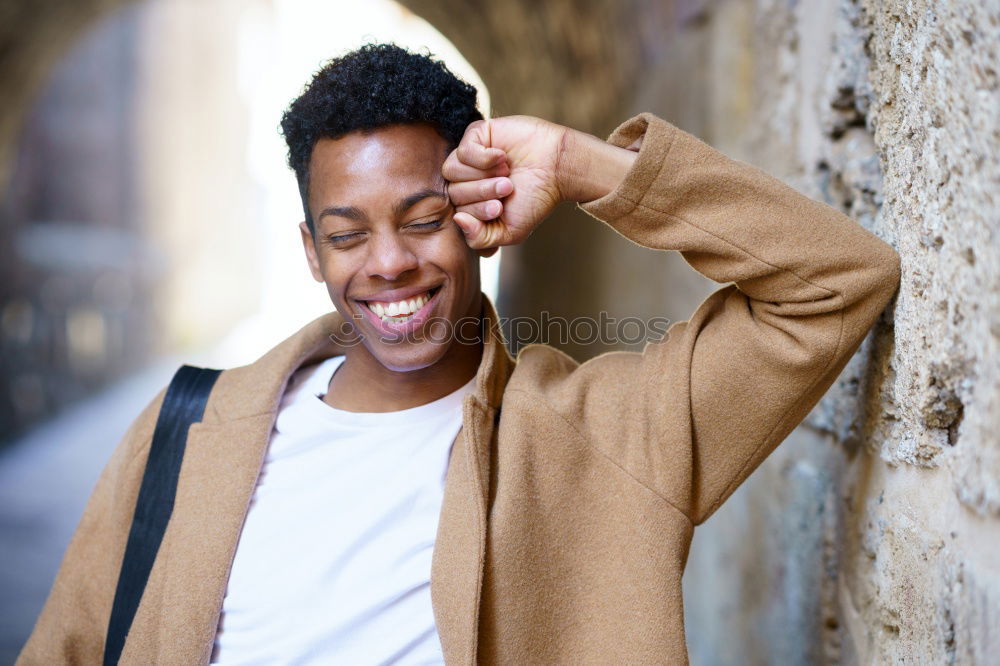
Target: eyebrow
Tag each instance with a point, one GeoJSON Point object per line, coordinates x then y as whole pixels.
{"type": "Point", "coordinates": [412, 200]}
{"type": "Point", "coordinates": [355, 213]}
{"type": "Point", "coordinates": [350, 212]}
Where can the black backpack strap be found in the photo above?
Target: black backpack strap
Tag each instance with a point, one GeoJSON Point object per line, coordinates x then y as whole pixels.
{"type": "Point", "coordinates": [183, 405]}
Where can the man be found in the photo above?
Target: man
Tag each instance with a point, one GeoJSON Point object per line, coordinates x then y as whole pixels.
{"type": "Point", "coordinates": [399, 496]}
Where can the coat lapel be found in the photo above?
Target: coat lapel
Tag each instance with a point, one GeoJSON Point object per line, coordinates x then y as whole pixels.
{"type": "Point", "coordinates": [460, 547]}
{"type": "Point", "coordinates": [188, 582]}
{"type": "Point", "coordinates": [179, 612]}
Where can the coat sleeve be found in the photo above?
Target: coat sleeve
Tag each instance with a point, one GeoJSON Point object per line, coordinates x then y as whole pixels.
{"type": "Point", "coordinates": [73, 623]}
{"type": "Point", "coordinates": [694, 414]}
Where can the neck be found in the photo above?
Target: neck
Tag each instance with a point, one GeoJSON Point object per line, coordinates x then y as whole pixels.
{"type": "Point", "coordinates": [363, 384]}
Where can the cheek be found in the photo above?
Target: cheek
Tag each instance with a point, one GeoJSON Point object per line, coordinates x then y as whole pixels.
{"type": "Point", "coordinates": [338, 271]}
{"type": "Point", "coordinates": [461, 264]}
{"type": "Point", "coordinates": [449, 250]}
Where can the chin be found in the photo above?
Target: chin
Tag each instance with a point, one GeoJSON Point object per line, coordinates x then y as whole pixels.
{"type": "Point", "coordinates": [407, 356]}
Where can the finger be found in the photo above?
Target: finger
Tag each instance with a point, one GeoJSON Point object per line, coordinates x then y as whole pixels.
{"type": "Point", "coordinates": [483, 210]}
{"type": "Point", "coordinates": [479, 235]}
{"type": "Point", "coordinates": [488, 252]}
{"type": "Point", "coordinates": [475, 154]}
{"type": "Point", "coordinates": [455, 170]}
{"type": "Point", "coordinates": [476, 147]}
{"type": "Point", "coordinates": [463, 193]}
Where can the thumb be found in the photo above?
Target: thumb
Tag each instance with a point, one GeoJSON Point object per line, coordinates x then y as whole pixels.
{"type": "Point", "coordinates": [479, 235]}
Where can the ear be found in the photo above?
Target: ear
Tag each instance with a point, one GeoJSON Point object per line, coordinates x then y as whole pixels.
{"type": "Point", "coordinates": [309, 245]}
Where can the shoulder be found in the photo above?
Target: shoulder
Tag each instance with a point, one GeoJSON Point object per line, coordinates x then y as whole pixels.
{"type": "Point", "coordinates": [140, 433]}
{"type": "Point", "coordinates": [258, 387]}
{"type": "Point", "coordinates": [541, 365]}
{"type": "Point", "coordinates": [555, 378]}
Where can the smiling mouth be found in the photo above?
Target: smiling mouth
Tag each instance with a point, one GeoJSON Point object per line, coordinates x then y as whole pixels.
{"type": "Point", "coordinates": [398, 312]}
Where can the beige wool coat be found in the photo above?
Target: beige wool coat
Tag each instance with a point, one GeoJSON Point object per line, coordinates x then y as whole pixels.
{"type": "Point", "coordinates": [573, 489]}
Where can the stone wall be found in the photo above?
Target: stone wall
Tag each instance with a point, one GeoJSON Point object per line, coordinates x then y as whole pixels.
{"type": "Point", "coordinates": [871, 535]}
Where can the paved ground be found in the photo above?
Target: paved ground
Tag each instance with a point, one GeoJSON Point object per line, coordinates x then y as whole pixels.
{"type": "Point", "coordinates": [45, 479]}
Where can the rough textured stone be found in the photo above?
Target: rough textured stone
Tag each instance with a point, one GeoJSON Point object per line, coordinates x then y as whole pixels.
{"type": "Point", "coordinates": [938, 125]}
{"type": "Point", "coordinates": [937, 121]}
{"type": "Point", "coordinates": [890, 111]}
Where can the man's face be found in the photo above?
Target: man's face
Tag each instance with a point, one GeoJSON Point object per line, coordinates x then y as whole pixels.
{"type": "Point", "coordinates": [385, 243]}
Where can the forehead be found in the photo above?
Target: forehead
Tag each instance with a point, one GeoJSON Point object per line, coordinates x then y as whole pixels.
{"type": "Point", "coordinates": [375, 168]}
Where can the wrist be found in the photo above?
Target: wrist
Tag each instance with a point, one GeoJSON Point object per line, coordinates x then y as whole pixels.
{"type": "Point", "coordinates": [588, 168]}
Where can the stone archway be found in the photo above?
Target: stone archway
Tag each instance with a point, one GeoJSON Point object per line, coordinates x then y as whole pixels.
{"type": "Point", "coordinates": [33, 36]}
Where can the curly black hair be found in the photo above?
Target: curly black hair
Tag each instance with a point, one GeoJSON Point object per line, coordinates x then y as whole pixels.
{"type": "Point", "coordinates": [372, 87]}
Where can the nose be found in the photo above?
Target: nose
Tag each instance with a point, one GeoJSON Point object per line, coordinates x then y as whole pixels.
{"type": "Point", "coordinates": [389, 257]}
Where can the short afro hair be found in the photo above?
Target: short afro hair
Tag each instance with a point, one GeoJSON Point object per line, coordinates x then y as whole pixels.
{"type": "Point", "coordinates": [373, 87]}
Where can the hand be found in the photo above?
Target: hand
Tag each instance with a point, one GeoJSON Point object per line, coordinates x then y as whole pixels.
{"type": "Point", "coordinates": [515, 159]}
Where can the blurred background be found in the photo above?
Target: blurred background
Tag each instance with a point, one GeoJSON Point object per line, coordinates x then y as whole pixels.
{"type": "Point", "coordinates": [149, 220]}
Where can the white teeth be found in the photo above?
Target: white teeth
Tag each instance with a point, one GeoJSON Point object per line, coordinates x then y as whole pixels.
{"type": "Point", "coordinates": [399, 309]}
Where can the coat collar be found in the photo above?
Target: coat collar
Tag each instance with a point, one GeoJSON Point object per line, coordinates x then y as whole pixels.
{"type": "Point", "coordinates": [222, 461]}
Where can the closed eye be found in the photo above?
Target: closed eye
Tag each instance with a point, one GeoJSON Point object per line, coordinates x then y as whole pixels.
{"type": "Point", "coordinates": [433, 224]}
{"type": "Point", "coordinates": [344, 240]}
{"type": "Point", "coordinates": [339, 240]}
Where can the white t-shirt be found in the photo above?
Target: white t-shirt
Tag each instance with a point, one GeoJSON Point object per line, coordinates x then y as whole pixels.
{"type": "Point", "coordinates": [334, 562]}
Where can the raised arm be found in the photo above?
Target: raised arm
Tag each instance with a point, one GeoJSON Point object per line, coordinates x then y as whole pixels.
{"type": "Point", "coordinates": [693, 415]}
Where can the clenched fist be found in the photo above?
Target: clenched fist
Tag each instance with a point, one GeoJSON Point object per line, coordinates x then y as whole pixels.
{"type": "Point", "coordinates": [507, 174]}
